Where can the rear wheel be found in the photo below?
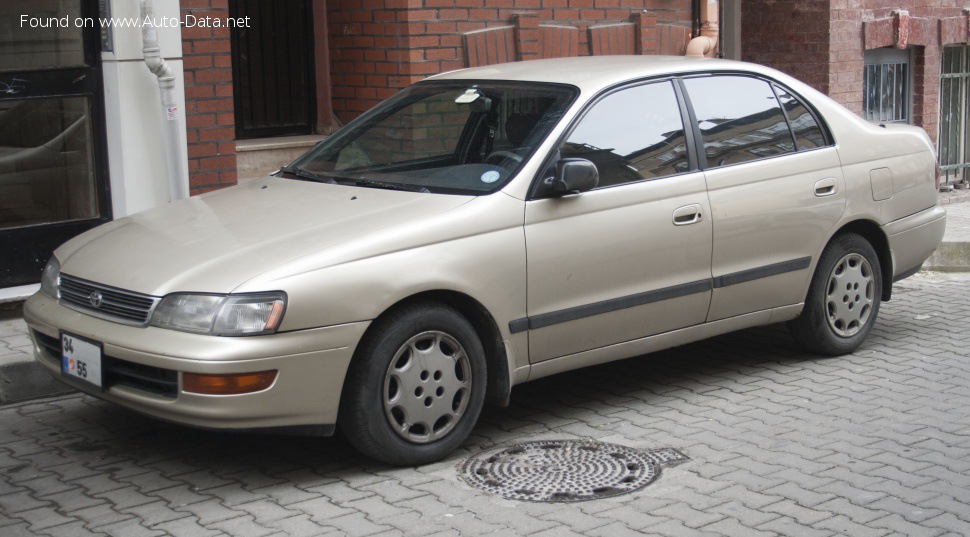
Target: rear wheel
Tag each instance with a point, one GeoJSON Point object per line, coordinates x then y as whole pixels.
{"type": "Point", "coordinates": [843, 299]}
{"type": "Point", "coordinates": [416, 386]}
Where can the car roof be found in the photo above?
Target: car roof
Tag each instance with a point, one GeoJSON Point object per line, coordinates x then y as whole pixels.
{"type": "Point", "coordinates": [591, 73]}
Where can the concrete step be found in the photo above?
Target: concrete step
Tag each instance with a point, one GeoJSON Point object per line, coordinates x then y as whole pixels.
{"type": "Point", "coordinates": [262, 156]}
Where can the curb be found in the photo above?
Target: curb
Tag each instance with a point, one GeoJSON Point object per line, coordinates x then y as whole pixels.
{"type": "Point", "coordinates": [950, 257]}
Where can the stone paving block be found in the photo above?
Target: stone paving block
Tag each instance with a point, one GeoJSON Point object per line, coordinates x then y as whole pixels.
{"type": "Point", "coordinates": [949, 522]}
{"type": "Point", "coordinates": [842, 525]}
{"type": "Point", "coordinates": [557, 532]}
{"type": "Point", "coordinates": [339, 492]}
{"type": "Point", "coordinates": [574, 518]}
{"type": "Point", "coordinates": [803, 515]}
{"type": "Point", "coordinates": [788, 526]}
{"type": "Point", "coordinates": [897, 523]}
{"type": "Point", "coordinates": [208, 511]}
{"type": "Point", "coordinates": [243, 525]}
{"type": "Point", "coordinates": [678, 528]}
{"type": "Point", "coordinates": [266, 511]}
{"type": "Point", "coordinates": [303, 525]}
{"type": "Point", "coordinates": [155, 513]}
{"type": "Point", "coordinates": [731, 526]}
{"type": "Point", "coordinates": [615, 529]}
{"type": "Point", "coordinates": [688, 515]}
{"type": "Point", "coordinates": [187, 526]}
{"type": "Point", "coordinates": [392, 491]}
{"type": "Point", "coordinates": [44, 517]}
{"type": "Point", "coordinates": [635, 515]}
{"type": "Point", "coordinates": [319, 508]}
{"type": "Point", "coordinates": [913, 513]}
{"type": "Point", "coordinates": [71, 529]}
{"type": "Point", "coordinates": [19, 500]}
{"type": "Point", "coordinates": [357, 524]}
{"type": "Point", "coordinates": [743, 515]}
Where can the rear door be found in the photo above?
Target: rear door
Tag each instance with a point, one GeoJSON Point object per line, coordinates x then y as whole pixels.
{"type": "Point", "coordinates": [632, 257]}
{"type": "Point", "coordinates": [776, 190]}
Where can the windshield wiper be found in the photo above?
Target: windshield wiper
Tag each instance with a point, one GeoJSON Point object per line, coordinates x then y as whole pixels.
{"type": "Point", "coordinates": [306, 174]}
{"type": "Point", "coordinates": [370, 183]}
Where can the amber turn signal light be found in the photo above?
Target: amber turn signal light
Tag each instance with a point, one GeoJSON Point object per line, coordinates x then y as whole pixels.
{"type": "Point", "coordinates": [233, 384]}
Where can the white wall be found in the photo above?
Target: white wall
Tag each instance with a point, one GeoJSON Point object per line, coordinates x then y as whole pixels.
{"type": "Point", "coordinates": [134, 117]}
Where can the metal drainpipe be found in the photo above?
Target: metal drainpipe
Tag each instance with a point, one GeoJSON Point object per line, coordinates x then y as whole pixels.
{"type": "Point", "coordinates": [177, 182]}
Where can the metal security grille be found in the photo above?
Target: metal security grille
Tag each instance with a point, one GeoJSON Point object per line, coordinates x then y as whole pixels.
{"type": "Point", "coordinates": [272, 60]}
{"type": "Point", "coordinates": [955, 115]}
{"type": "Point", "coordinates": [886, 92]}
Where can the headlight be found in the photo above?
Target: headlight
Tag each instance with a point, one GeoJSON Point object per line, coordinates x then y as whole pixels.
{"type": "Point", "coordinates": [221, 315]}
{"type": "Point", "coordinates": [50, 280]}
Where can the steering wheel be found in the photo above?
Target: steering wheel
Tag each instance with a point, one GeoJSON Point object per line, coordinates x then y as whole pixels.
{"type": "Point", "coordinates": [496, 156]}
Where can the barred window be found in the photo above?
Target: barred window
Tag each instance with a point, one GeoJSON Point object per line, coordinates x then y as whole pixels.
{"type": "Point", "coordinates": [886, 83]}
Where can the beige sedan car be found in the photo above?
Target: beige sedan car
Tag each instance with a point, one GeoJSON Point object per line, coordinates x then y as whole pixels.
{"type": "Point", "coordinates": [488, 227]}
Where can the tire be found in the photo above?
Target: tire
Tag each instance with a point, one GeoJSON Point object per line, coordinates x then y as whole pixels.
{"type": "Point", "coordinates": [843, 298]}
{"type": "Point", "coordinates": [415, 387]}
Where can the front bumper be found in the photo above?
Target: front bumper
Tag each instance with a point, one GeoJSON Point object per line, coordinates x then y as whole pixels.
{"type": "Point", "coordinates": [312, 365]}
{"type": "Point", "coordinates": [913, 239]}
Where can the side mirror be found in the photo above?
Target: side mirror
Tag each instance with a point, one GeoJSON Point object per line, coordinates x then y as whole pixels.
{"type": "Point", "coordinates": [575, 175]}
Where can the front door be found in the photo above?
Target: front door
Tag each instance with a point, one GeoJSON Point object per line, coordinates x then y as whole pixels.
{"type": "Point", "coordinates": [53, 184]}
{"type": "Point", "coordinates": [631, 258]}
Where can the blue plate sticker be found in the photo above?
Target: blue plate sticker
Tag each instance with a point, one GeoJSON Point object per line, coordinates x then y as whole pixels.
{"type": "Point", "coordinates": [490, 176]}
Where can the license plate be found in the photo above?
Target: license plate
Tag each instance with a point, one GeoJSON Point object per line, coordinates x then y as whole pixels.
{"type": "Point", "coordinates": [80, 359]}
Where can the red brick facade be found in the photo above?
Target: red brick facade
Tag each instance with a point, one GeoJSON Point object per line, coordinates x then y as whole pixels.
{"type": "Point", "coordinates": [380, 46]}
{"type": "Point", "coordinates": [823, 42]}
{"type": "Point", "coordinates": [209, 108]}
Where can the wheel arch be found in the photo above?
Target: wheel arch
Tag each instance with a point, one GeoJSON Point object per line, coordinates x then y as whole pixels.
{"type": "Point", "coordinates": [871, 231]}
{"type": "Point", "coordinates": [498, 379]}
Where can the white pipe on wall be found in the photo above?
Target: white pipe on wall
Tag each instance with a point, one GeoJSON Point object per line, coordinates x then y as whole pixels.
{"type": "Point", "coordinates": [178, 183]}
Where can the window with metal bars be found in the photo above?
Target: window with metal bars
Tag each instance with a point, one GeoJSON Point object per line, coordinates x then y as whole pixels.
{"type": "Point", "coordinates": [954, 145]}
{"type": "Point", "coordinates": [886, 86]}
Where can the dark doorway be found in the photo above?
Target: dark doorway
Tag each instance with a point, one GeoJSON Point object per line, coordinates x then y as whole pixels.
{"type": "Point", "coordinates": [53, 179]}
{"type": "Point", "coordinates": [272, 68]}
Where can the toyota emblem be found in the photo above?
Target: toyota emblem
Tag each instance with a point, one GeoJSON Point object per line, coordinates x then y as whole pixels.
{"type": "Point", "coordinates": [95, 299]}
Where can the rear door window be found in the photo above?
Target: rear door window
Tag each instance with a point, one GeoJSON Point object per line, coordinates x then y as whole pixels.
{"type": "Point", "coordinates": [740, 119]}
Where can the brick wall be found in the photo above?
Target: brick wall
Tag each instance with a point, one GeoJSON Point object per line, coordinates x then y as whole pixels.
{"type": "Point", "coordinates": [790, 36]}
{"type": "Point", "coordinates": [209, 108]}
{"type": "Point", "coordinates": [380, 46]}
{"type": "Point", "coordinates": [823, 43]}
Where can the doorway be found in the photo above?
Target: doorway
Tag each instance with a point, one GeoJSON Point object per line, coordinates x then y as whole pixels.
{"type": "Point", "coordinates": [53, 179]}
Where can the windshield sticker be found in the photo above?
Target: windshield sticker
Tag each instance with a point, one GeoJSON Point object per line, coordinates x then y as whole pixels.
{"type": "Point", "coordinates": [468, 97]}
{"type": "Point", "coordinates": [490, 176]}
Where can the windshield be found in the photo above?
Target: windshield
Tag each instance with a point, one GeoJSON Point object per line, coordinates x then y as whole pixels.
{"type": "Point", "coordinates": [447, 137]}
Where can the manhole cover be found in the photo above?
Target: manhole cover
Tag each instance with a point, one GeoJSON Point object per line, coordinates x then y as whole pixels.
{"type": "Point", "coordinates": [566, 470]}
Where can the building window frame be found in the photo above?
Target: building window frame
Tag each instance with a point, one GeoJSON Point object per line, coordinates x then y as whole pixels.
{"type": "Point", "coordinates": [887, 85]}
{"type": "Point", "coordinates": [954, 138]}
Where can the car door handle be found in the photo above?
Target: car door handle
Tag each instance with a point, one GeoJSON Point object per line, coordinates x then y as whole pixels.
{"type": "Point", "coordinates": [688, 214]}
{"type": "Point", "coordinates": [825, 187]}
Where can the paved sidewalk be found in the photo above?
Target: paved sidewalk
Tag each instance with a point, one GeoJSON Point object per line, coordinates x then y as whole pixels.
{"type": "Point", "coordinates": [781, 443]}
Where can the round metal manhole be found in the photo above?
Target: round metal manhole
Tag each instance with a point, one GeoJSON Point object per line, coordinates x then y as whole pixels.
{"type": "Point", "coordinates": [566, 470]}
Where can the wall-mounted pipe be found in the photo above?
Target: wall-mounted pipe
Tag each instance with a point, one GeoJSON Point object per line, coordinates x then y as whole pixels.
{"type": "Point", "coordinates": [177, 182]}
{"type": "Point", "coordinates": [706, 43]}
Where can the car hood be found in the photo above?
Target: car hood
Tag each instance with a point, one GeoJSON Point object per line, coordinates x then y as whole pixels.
{"type": "Point", "coordinates": [215, 242]}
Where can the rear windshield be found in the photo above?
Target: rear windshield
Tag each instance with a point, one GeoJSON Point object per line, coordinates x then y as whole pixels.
{"type": "Point", "coordinates": [445, 137]}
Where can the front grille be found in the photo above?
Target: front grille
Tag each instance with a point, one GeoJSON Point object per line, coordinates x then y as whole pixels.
{"type": "Point", "coordinates": [115, 372]}
{"type": "Point", "coordinates": [107, 302]}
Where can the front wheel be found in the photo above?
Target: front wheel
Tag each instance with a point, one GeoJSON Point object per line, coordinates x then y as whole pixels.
{"type": "Point", "coordinates": [416, 386]}
{"type": "Point", "coordinates": [843, 298]}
